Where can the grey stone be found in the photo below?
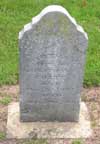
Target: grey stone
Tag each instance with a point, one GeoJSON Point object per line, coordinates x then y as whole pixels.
{"type": "Point", "coordinates": [52, 56]}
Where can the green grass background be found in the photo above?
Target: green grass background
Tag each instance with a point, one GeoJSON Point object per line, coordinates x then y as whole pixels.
{"type": "Point", "coordinates": [14, 14]}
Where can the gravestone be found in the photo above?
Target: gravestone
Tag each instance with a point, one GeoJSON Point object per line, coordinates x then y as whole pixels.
{"type": "Point", "coordinates": [52, 56]}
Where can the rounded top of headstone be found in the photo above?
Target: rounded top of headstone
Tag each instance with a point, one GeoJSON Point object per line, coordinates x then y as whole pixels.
{"type": "Point", "coordinates": [49, 9]}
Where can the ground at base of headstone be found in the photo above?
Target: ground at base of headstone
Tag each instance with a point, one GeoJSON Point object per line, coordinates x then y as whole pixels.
{"type": "Point", "coordinates": [52, 130]}
{"type": "Point", "coordinates": [91, 96]}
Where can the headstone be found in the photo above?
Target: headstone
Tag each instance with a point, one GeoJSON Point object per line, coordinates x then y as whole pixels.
{"type": "Point", "coordinates": [52, 56]}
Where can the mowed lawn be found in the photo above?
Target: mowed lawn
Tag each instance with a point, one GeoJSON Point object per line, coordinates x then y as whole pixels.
{"type": "Point", "coordinates": [15, 13]}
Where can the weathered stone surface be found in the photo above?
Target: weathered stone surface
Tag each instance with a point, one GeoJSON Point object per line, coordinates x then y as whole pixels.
{"type": "Point", "coordinates": [52, 57]}
{"type": "Point", "coordinates": [17, 129]}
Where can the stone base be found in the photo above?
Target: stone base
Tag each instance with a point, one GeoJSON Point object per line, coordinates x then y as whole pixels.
{"type": "Point", "coordinates": [17, 129]}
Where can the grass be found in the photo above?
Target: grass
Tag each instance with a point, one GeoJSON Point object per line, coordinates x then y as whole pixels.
{"type": "Point", "coordinates": [2, 136]}
{"type": "Point", "coordinates": [5, 100]}
{"type": "Point", "coordinates": [14, 14]}
{"type": "Point", "coordinates": [77, 141]}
